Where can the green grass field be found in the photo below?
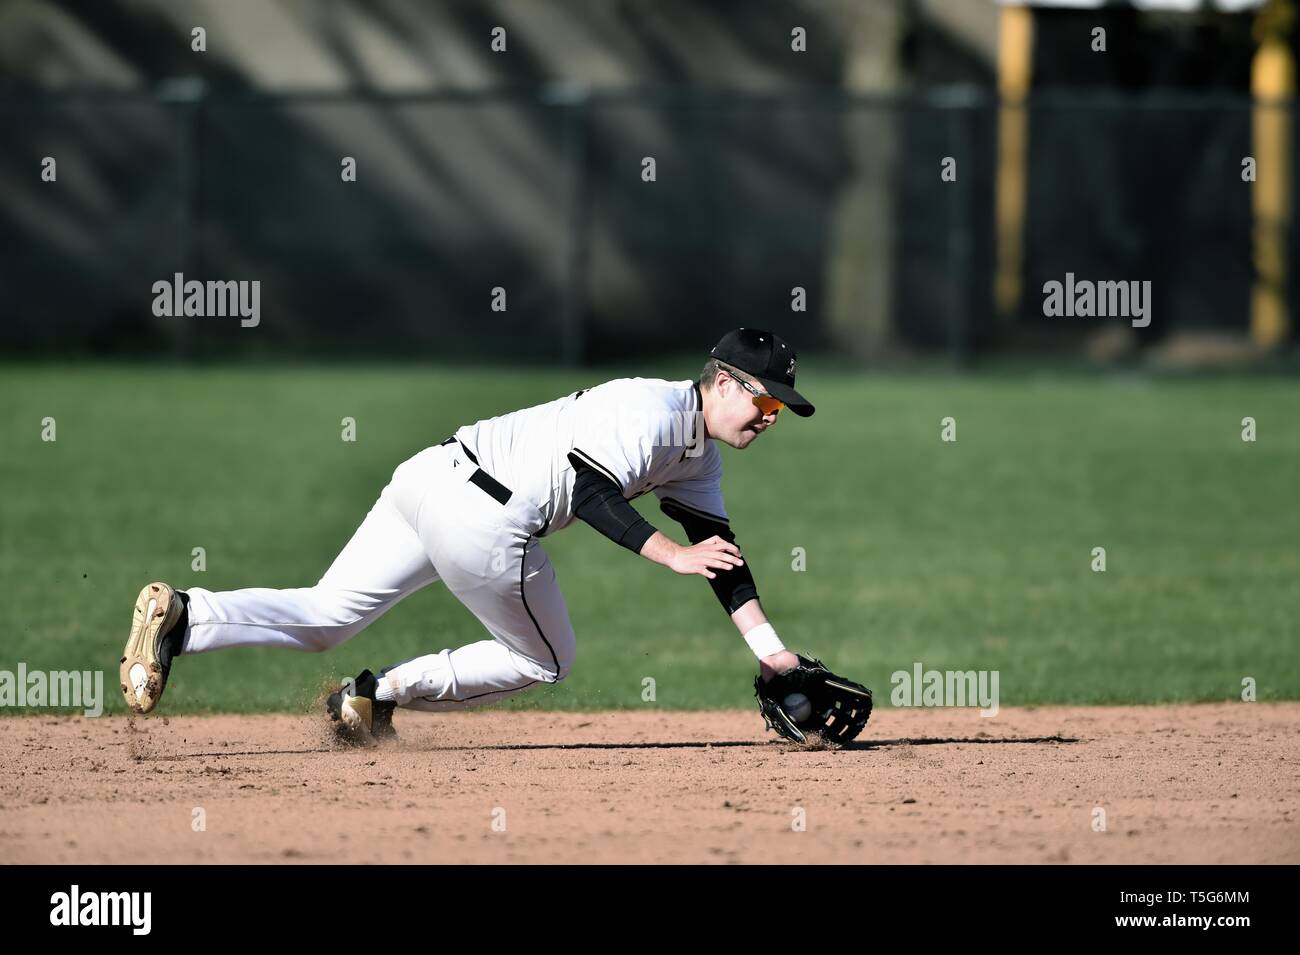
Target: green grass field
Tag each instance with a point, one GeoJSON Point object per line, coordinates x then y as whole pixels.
{"type": "Point", "coordinates": [967, 555]}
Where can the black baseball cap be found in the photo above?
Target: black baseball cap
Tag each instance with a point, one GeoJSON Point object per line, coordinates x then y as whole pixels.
{"type": "Point", "coordinates": [768, 359]}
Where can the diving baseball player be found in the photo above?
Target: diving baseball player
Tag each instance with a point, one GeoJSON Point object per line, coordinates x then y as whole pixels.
{"type": "Point", "coordinates": [471, 512]}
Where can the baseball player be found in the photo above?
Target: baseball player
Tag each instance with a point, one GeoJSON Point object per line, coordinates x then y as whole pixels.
{"type": "Point", "coordinates": [471, 512]}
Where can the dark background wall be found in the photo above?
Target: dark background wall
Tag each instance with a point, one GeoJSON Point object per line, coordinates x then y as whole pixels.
{"type": "Point", "coordinates": [521, 170]}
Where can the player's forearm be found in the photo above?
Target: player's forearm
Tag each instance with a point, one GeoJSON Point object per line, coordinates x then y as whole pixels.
{"type": "Point", "coordinates": [733, 586]}
{"type": "Point", "coordinates": [748, 616]}
{"type": "Point", "coordinates": [773, 657]}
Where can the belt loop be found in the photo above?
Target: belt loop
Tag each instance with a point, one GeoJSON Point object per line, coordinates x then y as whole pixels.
{"type": "Point", "coordinates": [468, 453]}
{"type": "Point", "coordinates": [484, 481]}
{"type": "Point", "coordinates": [494, 488]}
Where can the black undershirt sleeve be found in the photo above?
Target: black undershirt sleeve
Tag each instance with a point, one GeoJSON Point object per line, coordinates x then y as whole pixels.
{"type": "Point", "coordinates": [735, 587]}
{"type": "Point", "coordinates": [600, 502]}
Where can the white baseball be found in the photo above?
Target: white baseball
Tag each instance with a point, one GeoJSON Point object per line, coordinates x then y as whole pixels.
{"type": "Point", "coordinates": [798, 706]}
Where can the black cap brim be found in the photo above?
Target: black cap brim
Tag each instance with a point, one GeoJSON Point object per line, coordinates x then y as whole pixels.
{"type": "Point", "coordinates": [793, 400]}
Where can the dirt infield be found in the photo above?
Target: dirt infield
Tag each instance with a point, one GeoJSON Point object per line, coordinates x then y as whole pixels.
{"type": "Point", "coordinates": [1203, 784]}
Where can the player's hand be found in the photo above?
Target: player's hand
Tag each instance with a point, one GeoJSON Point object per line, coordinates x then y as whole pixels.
{"type": "Point", "coordinates": [706, 557]}
{"type": "Point", "coordinates": [778, 662]}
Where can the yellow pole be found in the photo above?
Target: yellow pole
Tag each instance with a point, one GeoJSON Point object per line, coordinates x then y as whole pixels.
{"type": "Point", "coordinates": [1272, 84]}
{"type": "Point", "coordinates": [1015, 68]}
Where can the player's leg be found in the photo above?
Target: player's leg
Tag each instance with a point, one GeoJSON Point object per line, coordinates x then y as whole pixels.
{"type": "Point", "coordinates": [485, 553]}
{"type": "Point", "coordinates": [533, 640]}
{"type": "Point", "coordinates": [383, 562]}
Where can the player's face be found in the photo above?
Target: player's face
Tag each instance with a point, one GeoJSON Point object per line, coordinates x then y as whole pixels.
{"type": "Point", "coordinates": [740, 420]}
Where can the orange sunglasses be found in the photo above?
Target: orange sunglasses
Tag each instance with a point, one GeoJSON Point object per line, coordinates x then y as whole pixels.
{"type": "Point", "coordinates": [768, 404]}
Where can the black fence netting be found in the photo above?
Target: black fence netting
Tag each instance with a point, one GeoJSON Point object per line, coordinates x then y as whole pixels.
{"type": "Point", "coordinates": [569, 228]}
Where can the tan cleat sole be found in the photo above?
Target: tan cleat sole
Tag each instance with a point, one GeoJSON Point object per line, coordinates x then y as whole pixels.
{"type": "Point", "coordinates": [357, 715]}
{"type": "Point", "coordinates": [156, 610]}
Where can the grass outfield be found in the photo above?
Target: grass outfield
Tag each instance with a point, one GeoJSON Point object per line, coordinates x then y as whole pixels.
{"type": "Point", "coordinates": [969, 555]}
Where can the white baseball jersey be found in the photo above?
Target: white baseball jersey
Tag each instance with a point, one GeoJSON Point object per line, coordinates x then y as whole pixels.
{"type": "Point", "coordinates": [643, 433]}
{"type": "Point", "coordinates": [432, 523]}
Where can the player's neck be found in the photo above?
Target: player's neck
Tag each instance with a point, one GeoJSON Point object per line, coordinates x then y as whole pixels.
{"type": "Point", "coordinates": [706, 406]}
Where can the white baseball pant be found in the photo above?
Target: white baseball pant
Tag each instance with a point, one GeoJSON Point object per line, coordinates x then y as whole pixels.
{"type": "Point", "coordinates": [430, 523]}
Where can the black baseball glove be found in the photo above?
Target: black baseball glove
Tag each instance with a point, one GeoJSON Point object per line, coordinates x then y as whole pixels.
{"type": "Point", "coordinates": [840, 707]}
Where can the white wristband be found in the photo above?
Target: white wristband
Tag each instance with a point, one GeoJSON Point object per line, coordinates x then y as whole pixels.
{"type": "Point", "coordinates": [764, 641]}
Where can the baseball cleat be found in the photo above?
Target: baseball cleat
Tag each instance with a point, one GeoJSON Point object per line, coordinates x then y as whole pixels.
{"type": "Point", "coordinates": [360, 718]}
{"type": "Point", "coordinates": [155, 639]}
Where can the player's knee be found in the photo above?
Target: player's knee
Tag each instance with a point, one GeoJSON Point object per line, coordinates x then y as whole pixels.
{"type": "Point", "coordinates": [564, 645]}
{"type": "Point", "coordinates": [320, 639]}
{"type": "Point", "coordinates": [337, 631]}
{"type": "Point", "coordinates": [547, 669]}
{"type": "Point", "coordinates": [339, 617]}
{"type": "Point", "coordinates": [343, 609]}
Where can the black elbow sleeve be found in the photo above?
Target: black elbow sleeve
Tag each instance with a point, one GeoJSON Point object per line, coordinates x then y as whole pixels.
{"type": "Point", "coordinates": [734, 587]}
{"type": "Point", "coordinates": [598, 501]}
